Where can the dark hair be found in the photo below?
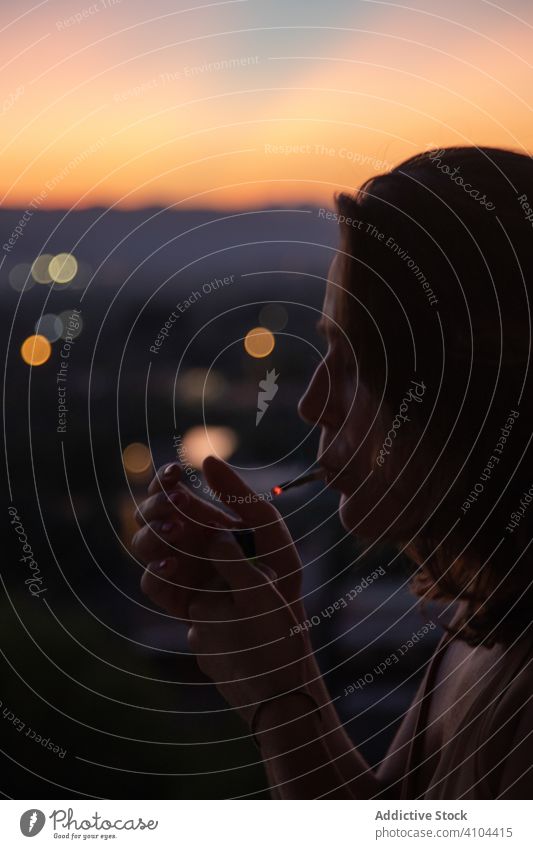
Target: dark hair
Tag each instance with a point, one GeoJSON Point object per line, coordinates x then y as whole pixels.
{"type": "Point", "coordinates": [437, 270]}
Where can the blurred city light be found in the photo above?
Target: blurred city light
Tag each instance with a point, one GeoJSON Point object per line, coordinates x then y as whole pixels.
{"type": "Point", "coordinates": [259, 342]}
{"type": "Point", "coordinates": [63, 268]}
{"type": "Point", "coordinates": [199, 442]}
{"type": "Point", "coordinates": [68, 327]}
{"type": "Point", "coordinates": [20, 277]}
{"type": "Point", "coordinates": [137, 458]}
{"type": "Point", "coordinates": [40, 268]}
{"type": "Point", "coordinates": [198, 385]}
{"type": "Point", "coordinates": [35, 350]}
{"type": "Point", "coordinates": [50, 326]}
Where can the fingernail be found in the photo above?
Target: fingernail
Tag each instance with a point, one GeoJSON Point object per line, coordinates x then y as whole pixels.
{"type": "Point", "coordinates": [161, 566]}
{"type": "Point", "coordinates": [171, 471]}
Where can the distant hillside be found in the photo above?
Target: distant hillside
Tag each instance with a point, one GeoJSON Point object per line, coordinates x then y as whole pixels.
{"type": "Point", "coordinates": [157, 243]}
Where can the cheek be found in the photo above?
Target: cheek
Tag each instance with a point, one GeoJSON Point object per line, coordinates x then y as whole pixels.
{"type": "Point", "coordinates": [358, 430]}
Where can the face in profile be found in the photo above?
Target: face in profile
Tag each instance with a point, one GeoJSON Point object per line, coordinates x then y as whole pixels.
{"type": "Point", "coordinates": [351, 420]}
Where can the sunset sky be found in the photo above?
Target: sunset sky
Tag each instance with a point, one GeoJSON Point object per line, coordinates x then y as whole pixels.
{"type": "Point", "coordinates": [244, 103]}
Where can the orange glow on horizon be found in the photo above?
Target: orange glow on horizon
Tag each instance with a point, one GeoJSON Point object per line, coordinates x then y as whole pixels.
{"type": "Point", "coordinates": [96, 120]}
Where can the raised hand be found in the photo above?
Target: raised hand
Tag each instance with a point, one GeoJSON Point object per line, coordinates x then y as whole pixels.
{"type": "Point", "coordinates": [176, 526]}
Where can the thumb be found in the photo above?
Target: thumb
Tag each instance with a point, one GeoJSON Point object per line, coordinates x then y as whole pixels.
{"type": "Point", "coordinates": [249, 581]}
{"type": "Point", "coordinates": [273, 541]}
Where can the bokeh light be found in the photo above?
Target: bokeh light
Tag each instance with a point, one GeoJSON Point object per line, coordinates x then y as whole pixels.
{"type": "Point", "coordinates": [35, 350]}
{"type": "Point", "coordinates": [197, 385]}
{"type": "Point", "coordinates": [274, 316]}
{"type": "Point", "coordinates": [50, 326]}
{"type": "Point", "coordinates": [40, 268]}
{"type": "Point", "coordinates": [20, 277]}
{"type": "Point", "coordinates": [137, 458]}
{"type": "Point", "coordinates": [70, 326]}
{"type": "Point", "coordinates": [199, 442]}
{"type": "Point", "coordinates": [259, 342]}
{"type": "Point", "coordinates": [63, 268]}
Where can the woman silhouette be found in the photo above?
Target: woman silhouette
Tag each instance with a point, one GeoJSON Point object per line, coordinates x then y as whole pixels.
{"type": "Point", "coordinates": [424, 401]}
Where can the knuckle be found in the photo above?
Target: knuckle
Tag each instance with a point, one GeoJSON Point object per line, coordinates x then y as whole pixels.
{"type": "Point", "coordinates": [136, 542]}
{"type": "Point", "coordinates": [146, 582]}
{"type": "Point", "coordinates": [146, 508]}
{"type": "Point", "coordinates": [140, 512]}
{"type": "Point", "coordinates": [147, 545]}
{"type": "Point", "coordinates": [157, 481]}
{"type": "Point", "coordinates": [154, 527]}
{"type": "Point", "coordinates": [158, 506]}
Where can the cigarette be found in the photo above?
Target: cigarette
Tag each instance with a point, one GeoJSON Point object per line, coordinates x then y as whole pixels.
{"type": "Point", "coordinates": [314, 475]}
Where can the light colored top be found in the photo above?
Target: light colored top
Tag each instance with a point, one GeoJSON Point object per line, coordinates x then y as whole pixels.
{"type": "Point", "coordinates": [488, 752]}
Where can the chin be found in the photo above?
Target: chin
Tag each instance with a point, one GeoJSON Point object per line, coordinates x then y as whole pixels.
{"type": "Point", "coordinates": [350, 513]}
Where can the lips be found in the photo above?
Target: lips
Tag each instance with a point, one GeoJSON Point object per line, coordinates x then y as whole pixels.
{"type": "Point", "coordinates": [335, 475]}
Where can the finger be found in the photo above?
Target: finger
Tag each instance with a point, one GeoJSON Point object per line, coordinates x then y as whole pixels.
{"type": "Point", "coordinates": [157, 540]}
{"type": "Point", "coordinates": [161, 505]}
{"type": "Point", "coordinates": [158, 584]}
{"type": "Point", "coordinates": [213, 605]}
{"type": "Point", "coordinates": [166, 477]}
{"type": "Point", "coordinates": [231, 489]}
{"type": "Point", "coordinates": [173, 583]}
{"type": "Point", "coordinates": [187, 505]}
{"type": "Point", "coordinates": [273, 540]}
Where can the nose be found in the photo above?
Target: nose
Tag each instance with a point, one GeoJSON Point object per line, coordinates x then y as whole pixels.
{"type": "Point", "coordinates": [317, 403]}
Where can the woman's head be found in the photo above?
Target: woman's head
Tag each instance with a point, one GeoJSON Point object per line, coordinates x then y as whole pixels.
{"type": "Point", "coordinates": [425, 397]}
